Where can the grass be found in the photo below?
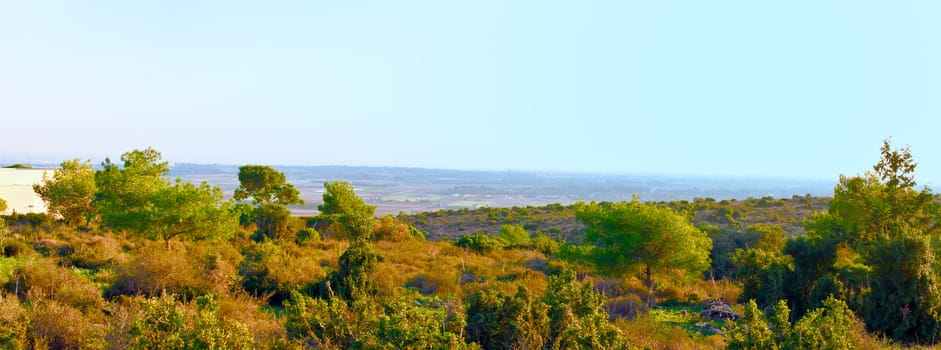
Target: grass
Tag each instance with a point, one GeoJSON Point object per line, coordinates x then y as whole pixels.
{"type": "Point", "coordinates": [666, 327]}
{"type": "Point", "coordinates": [673, 316]}
{"type": "Point", "coordinates": [8, 265]}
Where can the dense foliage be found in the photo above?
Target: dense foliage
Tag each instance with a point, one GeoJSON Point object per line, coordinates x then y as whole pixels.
{"type": "Point", "coordinates": [132, 259]}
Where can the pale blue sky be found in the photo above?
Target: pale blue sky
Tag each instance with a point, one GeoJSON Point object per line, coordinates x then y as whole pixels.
{"type": "Point", "coordinates": [783, 88]}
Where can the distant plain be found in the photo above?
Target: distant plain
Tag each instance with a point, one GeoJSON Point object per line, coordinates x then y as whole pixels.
{"type": "Point", "coordinates": [413, 190]}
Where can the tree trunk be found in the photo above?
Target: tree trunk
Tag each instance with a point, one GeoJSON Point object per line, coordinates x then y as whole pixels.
{"type": "Point", "coordinates": [649, 283]}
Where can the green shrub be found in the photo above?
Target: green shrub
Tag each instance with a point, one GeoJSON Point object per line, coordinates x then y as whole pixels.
{"type": "Point", "coordinates": [577, 316]}
{"type": "Point", "coordinates": [497, 320]}
{"type": "Point", "coordinates": [832, 326]}
{"type": "Point", "coordinates": [481, 243]}
{"type": "Point", "coordinates": [274, 221]}
{"type": "Point", "coordinates": [307, 235]}
{"type": "Point", "coordinates": [166, 324]}
{"type": "Point", "coordinates": [396, 323]}
{"type": "Point", "coordinates": [515, 236]}
{"type": "Point", "coordinates": [545, 244]}
{"type": "Point", "coordinates": [752, 331]}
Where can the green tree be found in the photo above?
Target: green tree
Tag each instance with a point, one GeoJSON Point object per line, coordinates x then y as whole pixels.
{"type": "Point", "coordinates": [890, 226]}
{"type": "Point", "coordinates": [274, 221]}
{"type": "Point", "coordinates": [70, 192]}
{"type": "Point", "coordinates": [515, 236]}
{"type": "Point", "coordinates": [270, 193]}
{"type": "Point", "coordinates": [631, 236]}
{"type": "Point", "coordinates": [339, 199]}
{"type": "Point", "coordinates": [348, 214]}
{"type": "Point", "coordinates": [265, 185]}
{"type": "Point", "coordinates": [764, 274]}
{"type": "Point", "coordinates": [138, 198]}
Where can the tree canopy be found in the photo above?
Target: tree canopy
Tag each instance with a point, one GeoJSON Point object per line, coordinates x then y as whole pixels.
{"type": "Point", "coordinates": [339, 199]}
{"type": "Point", "coordinates": [70, 191]}
{"type": "Point", "coordinates": [631, 237]}
{"type": "Point", "coordinates": [136, 197]}
{"type": "Point", "coordinates": [265, 185]}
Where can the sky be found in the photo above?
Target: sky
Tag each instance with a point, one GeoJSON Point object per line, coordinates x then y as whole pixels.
{"type": "Point", "coordinates": [804, 89]}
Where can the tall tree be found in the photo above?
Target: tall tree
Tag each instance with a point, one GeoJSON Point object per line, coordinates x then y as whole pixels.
{"type": "Point", "coordinates": [70, 191]}
{"type": "Point", "coordinates": [265, 185]}
{"type": "Point", "coordinates": [891, 224]}
{"type": "Point", "coordinates": [631, 236]}
{"type": "Point", "coordinates": [339, 199]}
{"type": "Point", "coordinates": [347, 214]}
{"type": "Point", "coordinates": [270, 192]}
{"type": "Point", "coordinates": [138, 198]}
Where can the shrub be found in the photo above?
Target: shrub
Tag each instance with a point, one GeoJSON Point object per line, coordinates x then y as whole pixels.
{"type": "Point", "coordinates": [52, 247]}
{"type": "Point", "coordinates": [274, 221]}
{"type": "Point", "coordinates": [545, 244]}
{"type": "Point", "coordinates": [165, 324]}
{"type": "Point", "coordinates": [481, 243]}
{"type": "Point", "coordinates": [752, 332]}
{"type": "Point", "coordinates": [438, 280]}
{"type": "Point", "coordinates": [187, 270]}
{"type": "Point", "coordinates": [307, 235]}
{"type": "Point", "coordinates": [515, 236]}
{"type": "Point", "coordinates": [497, 320]}
{"type": "Point", "coordinates": [395, 323]}
{"type": "Point", "coordinates": [577, 315]}
{"type": "Point", "coordinates": [57, 326]}
{"type": "Point", "coordinates": [389, 228]}
{"type": "Point", "coordinates": [40, 280]}
{"type": "Point", "coordinates": [832, 326]}
{"type": "Point", "coordinates": [14, 322]}
{"type": "Point", "coordinates": [272, 272]}
{"type": "Point", "coordinates": [15, 247]}
{"type": "Point", "coordinates": [266, 328]}
{"type": "Point", "coordinates": [95, 252]}
{"type": "Point", "coordinates": [627, 307]}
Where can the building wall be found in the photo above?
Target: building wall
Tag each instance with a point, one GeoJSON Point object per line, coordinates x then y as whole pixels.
{"type": "Point", "coordinates": [16, 188]}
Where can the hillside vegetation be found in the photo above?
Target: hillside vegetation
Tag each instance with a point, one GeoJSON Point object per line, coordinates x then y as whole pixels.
{"type": "Point", "coordinates": [559, 220]}
{"type": "Point", "coordinates": [129, 259]}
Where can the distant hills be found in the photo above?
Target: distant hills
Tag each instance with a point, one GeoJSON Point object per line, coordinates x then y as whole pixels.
{"type": "Point", "coordinates": [414, 190]}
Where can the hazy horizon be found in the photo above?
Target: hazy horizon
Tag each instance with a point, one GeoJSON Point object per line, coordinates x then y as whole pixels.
{"type": "Point", "coordinates": [728, 88]}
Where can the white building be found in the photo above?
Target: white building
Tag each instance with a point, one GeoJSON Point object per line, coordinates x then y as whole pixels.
{"type": "Point", "coordinates": [16, 188]}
